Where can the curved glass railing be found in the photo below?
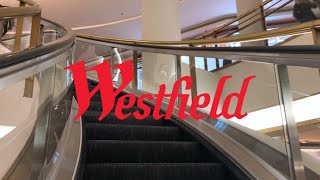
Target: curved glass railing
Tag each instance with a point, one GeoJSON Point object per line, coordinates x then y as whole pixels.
{"type": "Point", "coordinates": [269, 133]}
{"type": "Point", "coordinates": [38, 136]}
{"type": "Point", "coordinates": [33, 87]}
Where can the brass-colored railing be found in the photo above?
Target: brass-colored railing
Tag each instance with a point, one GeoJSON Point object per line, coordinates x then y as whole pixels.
{"type": "Point", "coordinates": [259, 13]}
{"type": "Point", "coordinates": [292, 30]}
{"type": "Point", "coordinates": [32, 10]}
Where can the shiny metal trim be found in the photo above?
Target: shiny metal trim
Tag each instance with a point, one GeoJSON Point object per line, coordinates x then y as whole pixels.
{"type": "Point", "coordinates": [308, 160]}
{"type": "Point", "coordinates": [135, 69]}
{"type": "Point", "coordinates": [76, 109]}
{"type": "Point", "coordinates": [178, 76]}
{"type": "Point", "coordinates": [193, 75]}
{"type": "Point", "coordinates": [290, 125]}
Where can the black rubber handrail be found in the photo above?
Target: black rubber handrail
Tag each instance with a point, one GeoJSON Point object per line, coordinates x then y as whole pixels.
{"type": "Point", "coordinates": [305, 56]}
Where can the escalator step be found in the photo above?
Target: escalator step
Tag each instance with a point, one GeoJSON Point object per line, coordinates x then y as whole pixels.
{"type": "Point", "coordinates": [91, 87]}
{"type": "Point", "coordinates": [96, 98]}
{"type": "Point", "coordinates": [96, 131]}
{"type": "Point", "coordinates": [92, 117]}
{"type": "Point", "coordinates": [145, 149]}
{"type": "Point", "coordinates": [155, 171]}
{"type": "Point", "coordinates": [97, 106]}
{"type": "Point", "coordinates": [116, 151]}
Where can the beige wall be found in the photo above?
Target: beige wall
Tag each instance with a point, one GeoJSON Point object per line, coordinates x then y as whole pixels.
{"type": "Point", "coordinates": [159, 25]}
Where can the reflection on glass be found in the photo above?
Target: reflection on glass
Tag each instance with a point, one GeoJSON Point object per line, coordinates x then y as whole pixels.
{"type": "Point", "coordinates": [306, 102]}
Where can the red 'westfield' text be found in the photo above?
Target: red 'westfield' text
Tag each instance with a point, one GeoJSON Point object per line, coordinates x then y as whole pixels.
{"type": "Point", "coordinates": [108, 95]}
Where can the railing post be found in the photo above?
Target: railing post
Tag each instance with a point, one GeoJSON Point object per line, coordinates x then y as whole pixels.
{"type": "Point", "coordinates": [215, 35]}
{"type": "Point", "coordinates": [316, 36]}
{"type": "Point", "coordinates": [41, 34]}
{"type": "Point", "coordinates": [34, 41]}
{"type": "Point", "coordinates": [193, 74]}
{"type": "Point", "coordinates": [111, 59]}
{"type": "Point", "coordinates": [263, 23]}
{"type": "Point", "coordinates": [35, 30]}
{"type": "Point", "coordinates": [1, 32]}
{"type": "Point", "coordinates": [178, 76]}
{"type": "Point", "coordinates": [135, 69]}
{"type": "Point", "coordinates": [205, 63]}
{"type": "Point", "coordinates": [19, 28]}
{"type": "Point", "coordinates": [290, 129]}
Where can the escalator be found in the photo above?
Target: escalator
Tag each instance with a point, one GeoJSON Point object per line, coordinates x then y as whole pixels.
{"type": "Point", "coordinates": [143, 149]}
{"type": "Point", "coordinates": [45, 143]}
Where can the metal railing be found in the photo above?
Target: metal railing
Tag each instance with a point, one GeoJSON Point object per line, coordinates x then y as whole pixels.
{"type": "Point", "coordinates": [36, 67]}
{"type": "Point", "coordinates": [256, 14]}
{"type": "Point", "coordinates": [245, 21]}
{"type": "Point", "coordinates": [27, 62]}
{"type": "Point", "coordinates": [280, 56]}
{"type": "Point", "coordinates": [20, 12]}
{"type": "Point", "coordinates": [292, 30]}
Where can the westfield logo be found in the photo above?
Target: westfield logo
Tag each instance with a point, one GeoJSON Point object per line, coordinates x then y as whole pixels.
{"type": "Point", "coordinates": [108, 95]}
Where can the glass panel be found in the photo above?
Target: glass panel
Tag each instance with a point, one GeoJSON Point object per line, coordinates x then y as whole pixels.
{"type": "Point", "coordinates": [261, 131]}
{"type": "Point", "coordinates": [158, 69]}
{"type": "Point", "coordinates": [17, 119]}
{"type": "Point", "coordinates": [306, 101]}
{"type": "Point", "coordinates": [8, 38]}
{"type": "Point", "coordinates": [89, 51]}
{"type": "Point", "coordinates": [261, 102]}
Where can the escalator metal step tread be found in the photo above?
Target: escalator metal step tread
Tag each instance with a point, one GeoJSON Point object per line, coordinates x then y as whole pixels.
{"type": "Point", "coordinates": [96, 131]}
{"type": "Point", "coordinates": [97, 106]}
{"type": "Point", "coordinates": [145, 149]}
{"type": "Point", "coordinates": [119, 151]}
{"type": "Point", "coordinates": [92, 117]}
{"type": "Point", "coordinates": [155, 171]}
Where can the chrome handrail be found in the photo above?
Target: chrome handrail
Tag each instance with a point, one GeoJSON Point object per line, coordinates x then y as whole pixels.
{"type": "Point", "coordinates": [305, 56]}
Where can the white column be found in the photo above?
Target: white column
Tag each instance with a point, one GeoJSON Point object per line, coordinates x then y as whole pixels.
{"type": "Point", "coordinates": [160, 22]}
{"type": "Point", "coordinates": [244, 6]}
